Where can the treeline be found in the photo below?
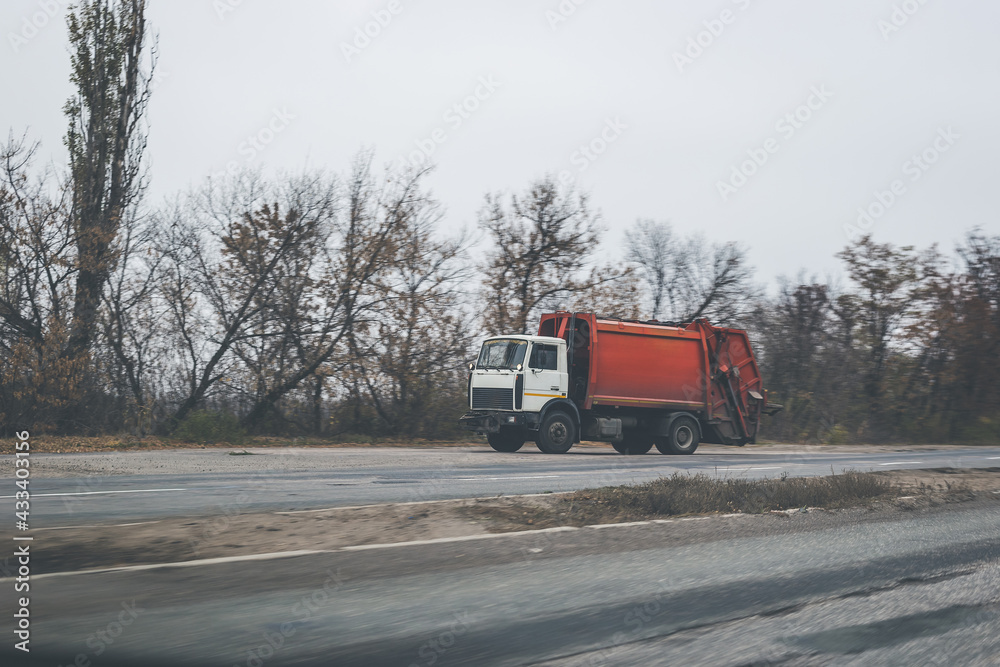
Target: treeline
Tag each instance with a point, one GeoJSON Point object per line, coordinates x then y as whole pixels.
{"type": "Point", "coordinates": [332, 305]}
{"type": "Point", "coordinates": [906, 351]}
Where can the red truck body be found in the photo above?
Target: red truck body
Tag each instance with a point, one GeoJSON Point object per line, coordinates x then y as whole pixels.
{"type": "Point", "coordinates": [621, 367]}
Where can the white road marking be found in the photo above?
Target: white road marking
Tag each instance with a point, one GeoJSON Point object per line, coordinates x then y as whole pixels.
{"type": "Point", "coordinates": [359, 547]}
{"type": "Point", "coordinates": [110, 525]}
{"type": "Point", "coordinates": [993, 457]}
{"type": "Point", "coordinates": [183, 563]}
{"type": "Point", "coordinates": [462, 538]}
{"type": "Point", "coordinates": [620, 525]}
{"type": "Point", "coordinates": [899, 463]}
{"type": "Point", "coordinates": [97, 493]}
{"type": "Point", "coordinates": [476, 479]}
{"type": "Point", "coordinates": [360, 507]}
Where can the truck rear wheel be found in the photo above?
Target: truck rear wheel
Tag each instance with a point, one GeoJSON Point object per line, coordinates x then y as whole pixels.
{"type": "Point", "coordinates": [556, 433]}
{"type": "Point", "coordinates": [634, 444]}
{"type": "Point", "coordinates": [682, 439]}
{"type": "Point", "coordinates": [507, 440]}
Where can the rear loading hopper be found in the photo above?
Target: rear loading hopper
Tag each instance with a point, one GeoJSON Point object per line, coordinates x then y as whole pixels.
{"type": "Point", "coordinates": [648, 371]}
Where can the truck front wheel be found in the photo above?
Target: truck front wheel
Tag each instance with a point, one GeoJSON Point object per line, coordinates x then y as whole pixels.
{"type": "Point", "coordinates": [556, 433]}
{"type": "Point", "coordinates": [682, 439]}
{"type": "Point", "coordinates": [507, 440]}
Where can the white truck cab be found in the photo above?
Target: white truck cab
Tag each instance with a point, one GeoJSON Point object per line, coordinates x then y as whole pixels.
{"type": "Point", "coordinates": [513, 384]}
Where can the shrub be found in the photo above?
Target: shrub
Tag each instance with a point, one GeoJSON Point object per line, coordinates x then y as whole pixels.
{"type": "Point", "coordinates": [698, 494]}
{"type": "Point", "coordinates": [207, 427]}
{"type": "Point", "coordinates": [838, 435]}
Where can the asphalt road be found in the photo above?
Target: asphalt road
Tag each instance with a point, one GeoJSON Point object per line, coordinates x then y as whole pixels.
{"type": "Point", "coordinates": [202, 483]}
{"type": "Point", "coordinates": [811, 589]}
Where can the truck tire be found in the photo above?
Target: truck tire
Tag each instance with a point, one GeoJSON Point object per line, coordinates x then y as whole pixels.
{"type": "Point", "coordinates": [556, 433]}
{"type": "Point", "coordinates": [682, 439]}
{"type": "Point", "coordinates": [634, 444]}
{"type": "Point", "coordinates": [507, 440]}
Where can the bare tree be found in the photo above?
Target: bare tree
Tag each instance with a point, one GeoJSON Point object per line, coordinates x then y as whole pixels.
{"type": "Point", "coordinates": [132, 321]}
{"type": "Point", "coordinates": [807, 368]}
{"type": "Point", "coordinates": [36, 243]}
{"type": "Point", "coordinates": [106, 141]}
{"type": "Point", "coordinates": [955, 326]}
{"type": "Point", "coordinates": [981, 256]}
{"type": "Point", "coordinates": [888, 284]}
{"type": "Point", "coordinates": [716, 281]}
{"type": "Point", "coordinates": [412, 361]}
{"type": "Point", "coordinates": [64, 249]}
{"type": "Point", "coordinates": [363, 245]}
{"type": "Point", "coordinates": [650, 246]}
{"type": "Point", "coordinates": [36, 295]}
{"type": "Point", "coordinates": [230, 257]}
{"type": "Point", "coordinates": [542, 241]}
{"type": "Point", "coordinates": [689, 278]}
{"type": "Point", "coordinates": [614, 292]}
{"type": "Point", "coordinates": [267, 283]}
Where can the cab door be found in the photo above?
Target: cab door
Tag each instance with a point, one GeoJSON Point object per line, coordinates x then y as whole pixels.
{"type": "Point", "coordinates": [544, 377]}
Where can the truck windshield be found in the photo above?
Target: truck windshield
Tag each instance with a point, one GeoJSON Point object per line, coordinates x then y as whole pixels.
{"type": "Point", "coordinates": [502, 353]}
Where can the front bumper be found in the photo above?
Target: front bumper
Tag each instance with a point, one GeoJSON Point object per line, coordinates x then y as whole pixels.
{"type": "Point", "coordinates": [490, 421]}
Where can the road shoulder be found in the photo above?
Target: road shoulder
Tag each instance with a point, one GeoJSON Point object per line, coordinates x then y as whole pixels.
{"type": "Point", "coordinates": [233, 534]}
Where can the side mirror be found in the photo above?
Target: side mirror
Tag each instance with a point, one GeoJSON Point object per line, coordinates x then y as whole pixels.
{"type": "Point", "coordinates": [472, 365]}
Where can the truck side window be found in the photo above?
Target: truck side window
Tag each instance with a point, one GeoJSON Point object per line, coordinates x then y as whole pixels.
{"type": "Point", "coordinates": [544, 357]}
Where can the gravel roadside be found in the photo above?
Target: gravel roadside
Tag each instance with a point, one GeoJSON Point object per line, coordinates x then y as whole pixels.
{"type": "Point", "coordinates": [236, 533]}
{"type": "Point", "coordinates": [290, 458]}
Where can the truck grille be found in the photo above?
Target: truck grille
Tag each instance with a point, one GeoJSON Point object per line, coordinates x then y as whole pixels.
{"type": "Point", "coordinates": [492, 398]}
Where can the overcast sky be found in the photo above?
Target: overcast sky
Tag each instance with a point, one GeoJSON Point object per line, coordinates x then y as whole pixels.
{"type": "Point", "coordinates": [830, 102]}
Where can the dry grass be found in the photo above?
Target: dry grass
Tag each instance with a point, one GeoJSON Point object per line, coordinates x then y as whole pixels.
{"type": "Point", "coordinates": [701, 494]}
{"type": "Point", "coordinates": [75, 444]}
{"type": "Point", "coordinates": [680, 495]}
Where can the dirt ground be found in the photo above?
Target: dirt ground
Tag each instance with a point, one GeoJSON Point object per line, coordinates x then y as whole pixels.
{"type": "Point", "coordinates": [172, 540]}
{"type": "Point", "coordinates": [946, 479]}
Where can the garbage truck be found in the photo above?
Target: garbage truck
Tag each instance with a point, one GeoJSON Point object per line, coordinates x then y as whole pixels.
{"type": "Point", "coordinates": [635, 384]}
